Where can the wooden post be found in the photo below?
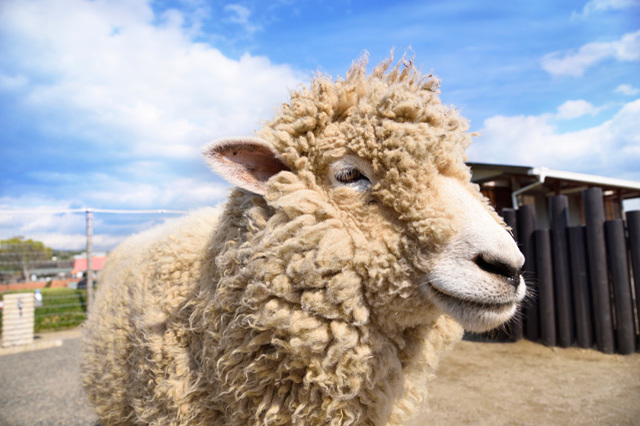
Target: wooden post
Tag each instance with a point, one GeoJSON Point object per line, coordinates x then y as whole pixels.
{"type": "Point", "coordinates": [596, 252]}
{"type": "Point", "coordinates": [559, 219]}
{"type": "Point", "coordinates": [617, 251]}
{"type": "Point", "coordinates": [89, 275]}
{"type": "Point", "coordinates": [580, 287]}
{"type": "Point", "coordinates": [526, 221]}
{"type": "Point", "coordinates": [542, 239]}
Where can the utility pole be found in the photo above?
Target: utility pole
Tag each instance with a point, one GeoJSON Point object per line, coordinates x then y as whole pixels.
{"type": "Point", "coordinates": [89, 256]}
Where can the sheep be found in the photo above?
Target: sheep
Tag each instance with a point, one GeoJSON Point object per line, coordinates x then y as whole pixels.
{"type": "Point", "coordinates": [349, 257]}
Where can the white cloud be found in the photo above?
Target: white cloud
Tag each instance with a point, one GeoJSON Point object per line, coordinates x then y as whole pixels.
{"type": "Point", "coordinates": [130, 85]}
{"type": "Point", "coordinates": [626, 89]}
{"type": "Point", "coordinates": [58, 241]}
{"type": "Point", "coordinates": [44, 226]}
{"type": "Point", "coordinates": [108, 229]}
{"type": "Point", "coordinates": [575, 63]}
{"type": "Point", "coordinates": [602, 5]}
{"type": "Point", "coordinates": [99, 190]}
{"type": "Point", "coordinates": [168, 194]}
{"type": "Point", "coordinates": [67, 230]}
{"type": "Point", "coordinates": [123, 82]}
{"type": "Point", "coordinates": [575, 109]}
{"type": "Point", "coordinates": [239, 14]}
{"type": "Point", "coordinates": [609, 149]}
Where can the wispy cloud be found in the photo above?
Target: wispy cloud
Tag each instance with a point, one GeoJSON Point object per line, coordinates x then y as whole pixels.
{"type": "Point", "coordinates": [608, 149]}
{"type": "Point", "coordinates": [603, 5]}
{"type": "Point", "coordinates": [626, 89]}
{"type": "Point", "coordinates": [239, 14]}
{"type": "Point", "coordinates": [577, 108]}
{"type": "Point", "coordinates": [575, 63]}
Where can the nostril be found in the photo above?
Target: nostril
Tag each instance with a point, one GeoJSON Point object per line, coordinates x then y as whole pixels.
{"type": "Point", "coordinates": [498, 267]}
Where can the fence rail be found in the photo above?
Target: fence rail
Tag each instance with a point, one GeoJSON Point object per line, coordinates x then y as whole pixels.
{"type": "Point", "coordinates": [583, 281]}
{"type": "Point", "coordinates": [56, 308]}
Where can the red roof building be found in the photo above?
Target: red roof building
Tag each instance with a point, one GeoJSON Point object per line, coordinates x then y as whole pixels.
{"type": "Point", "coordinates": [97, 262]}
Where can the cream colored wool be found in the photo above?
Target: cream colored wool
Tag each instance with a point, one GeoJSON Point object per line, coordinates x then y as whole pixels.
{"type": "Point", "coordinates": [304, 306]}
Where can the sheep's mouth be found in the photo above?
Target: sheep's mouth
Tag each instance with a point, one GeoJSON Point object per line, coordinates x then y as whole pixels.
{"type": "Point", "coordinates": [475, 305]}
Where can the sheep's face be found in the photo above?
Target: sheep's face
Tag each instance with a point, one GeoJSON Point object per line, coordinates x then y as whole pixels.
{"type": "Point", "coordinates": [388, 160]}
{"type": "Point", "coordinates": [449, 246]}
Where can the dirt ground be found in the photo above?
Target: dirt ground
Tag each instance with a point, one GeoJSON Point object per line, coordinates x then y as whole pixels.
{"type": "Point", "coordinates": [526, 383]}
{"type": "Point", "coordinates": [520, 383]}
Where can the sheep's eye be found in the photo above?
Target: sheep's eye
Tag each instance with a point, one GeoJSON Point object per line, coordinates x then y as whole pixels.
{"type": "Point", "coordinates": [352, 172]}
{"type": "Point", "coordinates": [351, 175]}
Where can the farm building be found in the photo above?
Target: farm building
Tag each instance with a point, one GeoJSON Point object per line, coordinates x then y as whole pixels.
{"type": "Point", "coordinates": [508, 186]}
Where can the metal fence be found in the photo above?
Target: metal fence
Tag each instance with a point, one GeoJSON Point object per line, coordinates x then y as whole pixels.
{"type": "Point", "coordinates": [55, 309]}
{"type": "Point", "coordinates": [57, 254]}
{"type": "Point", "coordinates": [583, 280]}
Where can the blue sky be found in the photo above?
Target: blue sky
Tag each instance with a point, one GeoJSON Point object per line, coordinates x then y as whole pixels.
{"type": "Point", "coordinates": [107, 103]}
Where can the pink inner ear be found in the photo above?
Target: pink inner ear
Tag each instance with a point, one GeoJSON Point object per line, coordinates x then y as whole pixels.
{"type": "Point", "coordinates": [255, 162]}
{"type": "Point", "coordinates": [246, 162]}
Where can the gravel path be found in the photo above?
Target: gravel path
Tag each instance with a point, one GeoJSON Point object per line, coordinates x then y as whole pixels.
{"type": "Point", "coordinates": [43, 387]}
{"type": "Point", "coordinates": [477, 384]}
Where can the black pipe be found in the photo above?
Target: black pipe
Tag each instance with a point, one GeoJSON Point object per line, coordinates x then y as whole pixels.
{"type": "Point", "coordinates": [596, 252]}
{"type": "Point", "coordinates": [526, 221]}
{"type": "Point", "coordinates": [633, 228]}
{"type": "Point", "coordinates": [559, 219]}
{"type": "Point", "coordinates": [509, 217]}
{"type": "Point", "coordinates": [580, 286]}
{"type": "Point", "coordinates": [617, 255]}
{"type": "Point", "coordinates": [542, 239]}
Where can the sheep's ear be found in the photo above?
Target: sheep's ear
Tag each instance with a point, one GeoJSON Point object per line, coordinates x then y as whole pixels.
{"type": "Point", "coordinates": [247, 162]}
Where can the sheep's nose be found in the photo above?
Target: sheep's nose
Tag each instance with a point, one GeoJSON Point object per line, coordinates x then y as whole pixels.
{"type": "Point", "coordinates": [499, 267]}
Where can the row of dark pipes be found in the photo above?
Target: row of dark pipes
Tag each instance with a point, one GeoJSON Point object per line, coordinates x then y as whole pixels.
{"type": "Point", "coordinates": [579, 277]}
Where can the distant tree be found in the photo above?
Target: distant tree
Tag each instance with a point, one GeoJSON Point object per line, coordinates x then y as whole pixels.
{"type": "Point", "coordinates": [19, 255]}
{"type": "Point", "coordinates": [65, 255]}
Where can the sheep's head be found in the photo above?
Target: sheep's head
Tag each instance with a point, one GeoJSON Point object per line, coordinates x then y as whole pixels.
{"type": "Point", "coordinates": [387, 159]}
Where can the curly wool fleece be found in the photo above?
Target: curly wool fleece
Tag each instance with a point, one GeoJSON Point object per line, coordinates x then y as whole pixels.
{"type": "Point", "coordinates": [302, 306]}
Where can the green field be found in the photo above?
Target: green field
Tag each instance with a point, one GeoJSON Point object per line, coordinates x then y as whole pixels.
{"type": "Point", "coordinates": [62, 308]}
